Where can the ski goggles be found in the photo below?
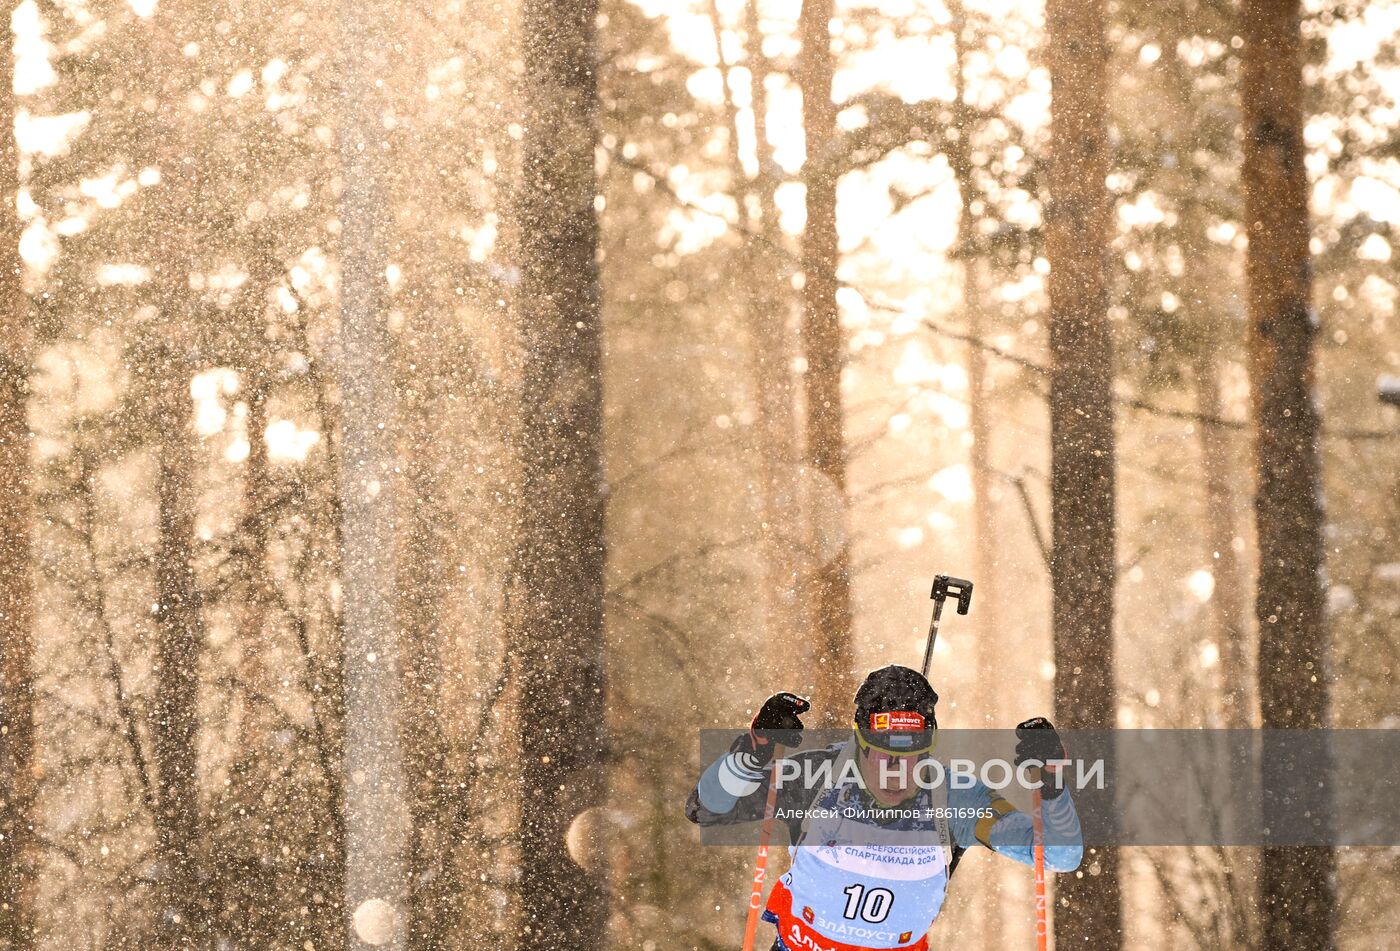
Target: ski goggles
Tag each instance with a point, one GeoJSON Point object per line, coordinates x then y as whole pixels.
{"type": "Point", "coordinates": [897, 733]}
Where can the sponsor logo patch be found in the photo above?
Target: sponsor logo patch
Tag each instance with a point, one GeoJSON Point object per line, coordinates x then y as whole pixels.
{"type": "Point", "coordinates": [904, 936]}
{"type": "Point", "coordinates": [808, 914]}
{"type": "Point", "coordinates": [897, 720]}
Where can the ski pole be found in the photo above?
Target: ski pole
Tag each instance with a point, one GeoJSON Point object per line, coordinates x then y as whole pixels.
{"type": "Point", "coordinates": [943, 585]}
{"type": "Point", "coordinates": [760, 868]}
{"type": "Point", "coordinates": [1042, 912]}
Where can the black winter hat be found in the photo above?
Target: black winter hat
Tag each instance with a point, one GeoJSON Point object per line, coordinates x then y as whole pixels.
{"type": "Point", "coordinates": [891, 691]}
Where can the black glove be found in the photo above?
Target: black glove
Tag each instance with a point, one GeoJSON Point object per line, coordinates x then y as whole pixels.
{"type": "Point", "coordinates": [1037, 742]}
{"type": "Point", "coordinates": [775, 724]}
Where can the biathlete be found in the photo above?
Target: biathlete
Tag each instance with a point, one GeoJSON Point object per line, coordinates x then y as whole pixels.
{"type": "Point", "coordinates": [871, 858]}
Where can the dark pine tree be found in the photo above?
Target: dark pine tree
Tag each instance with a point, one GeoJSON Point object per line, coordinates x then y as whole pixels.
{"type": "Point", "coordinates": [16, 608]}
{"type": "Point", "coordinates": [1297, 884]}
{"type": "Point", "coordinates": [829, 588]}
{"type": "Point", "coordinates": [1082, 571]}
{"type": "Point", "coordinates": [556, 623]}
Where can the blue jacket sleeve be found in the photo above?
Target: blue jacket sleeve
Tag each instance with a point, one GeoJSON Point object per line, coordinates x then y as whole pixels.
{"type": "Point", "coordinates": [734, 789]}
{"type": "Point", "coordinates": [1005, 830]}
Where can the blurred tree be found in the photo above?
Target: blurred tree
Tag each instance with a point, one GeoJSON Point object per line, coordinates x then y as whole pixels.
{"type": "Point", "coordinates": [212, 205]}
{"type": "Point", "coordinates": [1354, 262]}
{"type": "Point", "coordinates": [686, 595]}
{"type": "Point", "coordinates": [375, 803]}
{"type": "Point", "coordinates": [1181, 154]}
{"type": "Point", "coordinates": [1298, 884]}
{"type": "Point", "coordinates": [1222, 526]}
{"type": "Point", "coordinates": [168, 360]}
{"type": "Point", "coordinates": [828, 587]}
{"type": "Point", "coordinates": [17, 764]}
{"type": "Point", "coordinates": [165, 346]}
{"type": "Point", "coordinates": [972, 247]}
{"type": "Point", "coordinates": [1083, 531]}
{"type": "Point", "coordinates": [178, 611]}
{"type": "Point", "coordinates": [556, 607]}
{"type": "Point", "coordinates": [767, 264]}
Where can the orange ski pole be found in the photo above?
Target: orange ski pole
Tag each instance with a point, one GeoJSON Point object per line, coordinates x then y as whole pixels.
{"type": "Point", "coordinates": [1042, 911]}
{"type": "Point", "coordinates": [760, 868]}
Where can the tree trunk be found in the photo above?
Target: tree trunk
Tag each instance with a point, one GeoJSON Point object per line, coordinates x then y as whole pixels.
{"type": "Point", "coordinates": [179, 645]}
{"type": "Point", "coordinates": [376, 814]}
{"type": "Point", "coordinates": [1083, 568]}
{"type": "Point", "coordinates": [781, 516]}
{"type": "Point", "coordinates": [17, 778]}
{"type": "Point", "coordinates": [435, 892]}
{"type": "Point", "coordinates": [975, 288]}
{"type": "Point", "coordinates": [326, 678]}
{"type": "Point", "coordinates": [1221, 527]}
{"type": "Point", "coordinates": [829, 586]}
{"type": "Point", "coordinates": [977, 285]}
{"type": "Point", "coordinates": [1297, 884]}
{"type": "Point", "coordinates": [556, 616]}
{"type": "Point", "coordinates": [766, 182]}
{"type": "Point", "coordinates": [990, 679]}
{"type": "Point", "coordinates": [775, 348]}
{"type": "Point", "coordinates": [258, 517]}
{"type": "Point", "coordinates": [984, 542]}
{"type": "Point", "coordinates": [1199, 279]}
{"type": "Point", "coordinates": [771, 351]}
